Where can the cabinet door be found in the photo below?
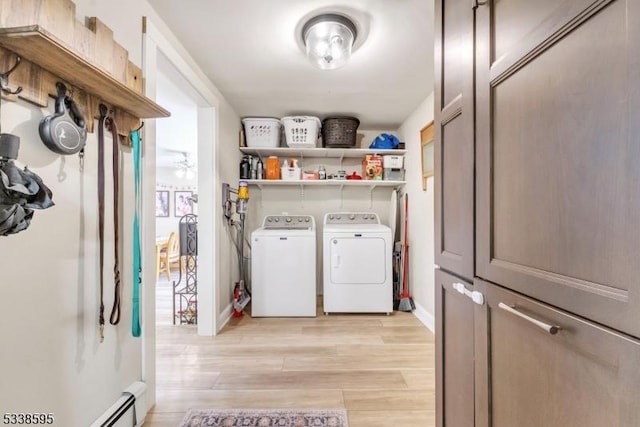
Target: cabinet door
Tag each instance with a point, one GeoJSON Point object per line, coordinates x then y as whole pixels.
{"type": "Point", "coordinates": [454, 141]}
{"type": "Point", "coordinates": [584, 375]}
{"type": "Point", "coordinates": [558, 154]}
{"type": "Point", "coordinates": [454, 353]}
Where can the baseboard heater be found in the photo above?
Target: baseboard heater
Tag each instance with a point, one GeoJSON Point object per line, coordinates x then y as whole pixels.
{"type": "Point", "coordinates": [127, 410]}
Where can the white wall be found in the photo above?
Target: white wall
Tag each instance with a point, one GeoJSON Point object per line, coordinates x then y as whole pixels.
{"type": "Point", "coordinates": [317, 201]}
{"type": "Point", "coordinates": [178, 133]}
{"type": "Point", "coordinates": [421, 210]}
{"type": "Point", "coordinates": [51, 358]}
{"type": "Point", "coordinates": [227, 171]}
{"type": "Point", "coordinates": [167, 181]}
{"type": "Point", "coordinates": [174, 135]}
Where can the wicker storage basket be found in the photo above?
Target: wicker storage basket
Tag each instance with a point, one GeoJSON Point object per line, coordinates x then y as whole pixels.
{"type": "Point", "coordinates": [261, 132]}
{"type": "Point", "coordinates": [339, 132]}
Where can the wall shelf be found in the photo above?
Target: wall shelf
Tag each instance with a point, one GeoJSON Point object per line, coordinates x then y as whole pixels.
{"type": "Point", "coordinates": [323, 183]}
{"type": "Point", "coordinates": [322, 153]}
{"type": "Point", "coordinates": [45, 50]}
{"type": "Point", "coordinates": [336, 153]}
{"type": "Point", "coordinates": [338, 184]}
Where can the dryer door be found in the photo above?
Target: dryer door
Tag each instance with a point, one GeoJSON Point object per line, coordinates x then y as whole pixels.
{"type": "Point", "coordinates": [358, 259]}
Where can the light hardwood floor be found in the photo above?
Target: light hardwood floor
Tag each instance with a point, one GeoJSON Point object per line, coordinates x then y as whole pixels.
{"type": "Point", "coordinates": [380, 368]}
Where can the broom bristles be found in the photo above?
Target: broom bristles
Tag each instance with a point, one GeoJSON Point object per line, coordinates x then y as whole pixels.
{"type": "Point", "coordinates": [406, 304]}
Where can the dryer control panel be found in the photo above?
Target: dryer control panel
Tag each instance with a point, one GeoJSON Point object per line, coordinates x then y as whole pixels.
{"type": "Point", "coordinates": [289, 222]}
{"type": "Point", "coordinates": [351, 218]}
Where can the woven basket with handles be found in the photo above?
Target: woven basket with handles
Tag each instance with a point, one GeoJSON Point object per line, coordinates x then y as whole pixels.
{"type": "Point", "coordinates": [339, 132]}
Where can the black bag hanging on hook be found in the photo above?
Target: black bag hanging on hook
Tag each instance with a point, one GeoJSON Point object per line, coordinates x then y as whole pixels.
{"type": "Point", "coordinates": [21, 191]}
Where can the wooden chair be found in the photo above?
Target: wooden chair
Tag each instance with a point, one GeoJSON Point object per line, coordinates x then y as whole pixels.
{"type": "Point", "coordinates": [170, 255]}
{"type": "Point", "coordinates": [174, 255]}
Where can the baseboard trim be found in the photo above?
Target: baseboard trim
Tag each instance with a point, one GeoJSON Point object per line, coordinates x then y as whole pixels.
{"type": "Point", "coordinates": [425, 317]}
{"type": "Point", "coordinates": [225, 316]}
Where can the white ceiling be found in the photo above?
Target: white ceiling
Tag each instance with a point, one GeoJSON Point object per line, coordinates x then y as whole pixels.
{"type": "Point", "coordinates": [251, 50]}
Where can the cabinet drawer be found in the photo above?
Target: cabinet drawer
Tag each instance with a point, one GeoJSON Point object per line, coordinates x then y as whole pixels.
{"type": "Point", "coordinates": [550, 368]}
{"type": "Point", "coordinates": [454, 353]}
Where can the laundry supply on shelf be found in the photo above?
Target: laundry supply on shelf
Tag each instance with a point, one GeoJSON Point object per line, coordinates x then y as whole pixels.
{"type": "Point", "coordinates": [272, 168]}
{"type": "Point", "coordinates": [372, 167]}
{"type": "Point", "coordinates": [290, 170]}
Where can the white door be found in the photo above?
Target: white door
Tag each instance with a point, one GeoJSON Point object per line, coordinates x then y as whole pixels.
{"type": "Point", "coordinates": [358, 260]}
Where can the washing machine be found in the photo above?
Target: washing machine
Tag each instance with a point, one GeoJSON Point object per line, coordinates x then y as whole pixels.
{"type": "Point", "coordinates": [283, 267]}
{"type": "Point", "coordinates": [357, 264]}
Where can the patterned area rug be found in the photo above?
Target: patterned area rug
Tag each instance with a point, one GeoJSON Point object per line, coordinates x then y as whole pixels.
{"type": "Point", "coordinates": [265, 418]}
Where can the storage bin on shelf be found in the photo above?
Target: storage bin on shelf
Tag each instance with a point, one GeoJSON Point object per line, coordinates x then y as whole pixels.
{"type": "Point", "coordinates": [262, 132]}
{"type": "Point", "coordinates": [393, 168]}
{"type": "Point", "coordinates": [339, 132]}
{"type": "Point", "coordinates": [301, 131]}
{"type": "Point", "coordinates": [309, 175]}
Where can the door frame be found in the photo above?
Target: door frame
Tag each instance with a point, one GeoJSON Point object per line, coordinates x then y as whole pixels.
{"type": "Point", "coordinates": [158, 39]}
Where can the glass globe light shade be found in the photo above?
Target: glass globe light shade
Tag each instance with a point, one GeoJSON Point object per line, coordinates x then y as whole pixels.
{"type": "Point", "coordinates": [328, 40]}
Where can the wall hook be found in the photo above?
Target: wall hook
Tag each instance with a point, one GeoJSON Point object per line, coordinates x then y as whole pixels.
{"type": "Point", "coordinates": [4, 79]}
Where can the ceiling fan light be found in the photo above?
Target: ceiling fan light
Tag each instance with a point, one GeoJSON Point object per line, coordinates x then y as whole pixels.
{"type": "Point", "coordinates": [190, 174]}
{"type": "Point", "coordinates": [180, 172]}
{"type": "Point", "coordinates": [328, 40]}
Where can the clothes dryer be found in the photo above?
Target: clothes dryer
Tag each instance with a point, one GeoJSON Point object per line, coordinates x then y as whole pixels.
{"type": "Point", "coordinates": [283, 267]}
{"type": "Point", "coordinates": [357, 264]}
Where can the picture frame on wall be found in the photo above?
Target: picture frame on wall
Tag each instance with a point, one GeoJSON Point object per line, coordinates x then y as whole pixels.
{"type": "Point", "coordinates": [162, 204]}
{"type": "Point", "coordinates": [183, 203]}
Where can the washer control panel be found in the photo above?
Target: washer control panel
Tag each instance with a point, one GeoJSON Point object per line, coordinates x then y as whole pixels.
{"type": "Point", "coordinates": [289, 222]}
{"type": "Point", "coordinates": [351, 218]}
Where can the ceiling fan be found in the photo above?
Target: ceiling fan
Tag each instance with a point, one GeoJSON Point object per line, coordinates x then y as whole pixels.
{"type": "Point", "coordinates": [184, 168]}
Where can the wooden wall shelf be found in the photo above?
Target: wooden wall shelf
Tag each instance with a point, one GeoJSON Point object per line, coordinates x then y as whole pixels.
{"type": "Point", "coordinates": [42, 48]}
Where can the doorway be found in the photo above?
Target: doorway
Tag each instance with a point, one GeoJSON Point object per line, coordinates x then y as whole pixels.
{"type": "Point", "coordinates": [172, 78]}
{"type": "Point", "coordinates": [176, 195]}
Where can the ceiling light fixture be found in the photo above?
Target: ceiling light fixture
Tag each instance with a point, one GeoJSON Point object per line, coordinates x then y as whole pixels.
{"type": "Point", "coordinates": [328, 40]}
{"type": "Point", "coordinates": [185, 168]}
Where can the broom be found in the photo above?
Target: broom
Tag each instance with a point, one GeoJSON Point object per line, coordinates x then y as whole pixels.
{"type": "Point", "coordinates": [406, 301]}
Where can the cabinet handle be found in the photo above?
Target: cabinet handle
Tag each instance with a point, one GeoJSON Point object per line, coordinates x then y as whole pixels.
{"type": "Point", "coordinates": [551, 329]}
{"type": "Point", "coordinates": [475, 296]}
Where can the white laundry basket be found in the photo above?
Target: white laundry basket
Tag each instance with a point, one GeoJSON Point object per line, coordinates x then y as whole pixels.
{"type": "Point", "coordinates": [301, 131]}
{"type": "Point", "coordinates": [261, 132]}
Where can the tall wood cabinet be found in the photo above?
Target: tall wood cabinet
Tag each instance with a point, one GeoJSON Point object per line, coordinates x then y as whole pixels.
{"type": "Point", "coordinates": [558, 154]}
{"type": "Point", "coordinates": [454, 148]}
{"type": "Point", "coordinates": [537, 121]}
